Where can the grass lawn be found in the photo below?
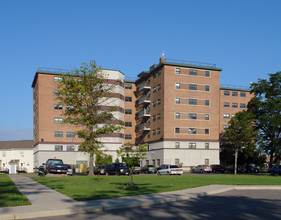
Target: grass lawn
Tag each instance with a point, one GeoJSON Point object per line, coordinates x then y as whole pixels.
{"type": "Point", "coordinates": [90, 188]}
{"type": "Point", "coordinates": [9, 194]}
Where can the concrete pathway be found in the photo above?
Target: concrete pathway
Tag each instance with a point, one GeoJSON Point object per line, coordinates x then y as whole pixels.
{"type": "Point", "coordinates": [47, 202]}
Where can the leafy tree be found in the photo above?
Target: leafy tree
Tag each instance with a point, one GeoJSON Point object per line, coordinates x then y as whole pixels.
{"type": "Point", "coordinates": [102, 159]}
{"type": "Point", "coordinates": [131, 155]}
{"type": "Point", "coordinates": [117, 160]}
{"type": "Point", "coordinates": [266, 106]}
{"type": "Point", "coordinates": [84, 92]}
{"type": "Point", "coordinates": [240, 133]}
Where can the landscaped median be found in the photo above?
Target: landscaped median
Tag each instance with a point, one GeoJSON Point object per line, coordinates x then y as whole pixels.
{"type": "Point", "coordinates": [9, 194]}
{"type": "Point", "coordinates": [90, 188]}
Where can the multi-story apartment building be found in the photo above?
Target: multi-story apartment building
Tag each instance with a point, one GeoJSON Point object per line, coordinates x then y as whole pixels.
{"type": "Point", "coordinates": [178, 108]}
{"type": "Point", "coordinates": [179, 114]}
{"type": "Point", "coordinates": [54, 139]}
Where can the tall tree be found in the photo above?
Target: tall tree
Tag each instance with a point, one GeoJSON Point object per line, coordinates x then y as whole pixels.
{"type": "Point", "coordinates": [132, 155]}
{"type": "Point", "coordinates": [266, 106]}
{"type": "Point", "coordinates": [84, 92]}
{"type": "Point", "coordinates": [240, 133]}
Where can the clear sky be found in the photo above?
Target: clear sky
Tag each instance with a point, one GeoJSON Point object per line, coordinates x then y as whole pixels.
{"type": "Point", "coordinates": [243, 37]}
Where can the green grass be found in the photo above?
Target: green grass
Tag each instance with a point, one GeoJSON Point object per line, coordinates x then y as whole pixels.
{"type": "Point", "coordinates": [9, 194]}
{"type": "Point", "coordinates": [90, 188]}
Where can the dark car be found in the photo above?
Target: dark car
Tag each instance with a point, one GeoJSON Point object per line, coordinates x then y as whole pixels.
{"type": "Point", "coordinates": [148, 169]}
{"type": "Point", "coordinates": [240, 169]}
{"type": "Point", "coordinates": [276, 170]}
{"type": "Point", "coordinates": [216, 168]}
{"type": "Point", "coordinates": [55, 166]}
{"type": "Point", "coordinates": [116, 169]}
{"type": "Point", "coordinates": [251, 169]}
{"type": "Point", "coordinates": [41, 170]}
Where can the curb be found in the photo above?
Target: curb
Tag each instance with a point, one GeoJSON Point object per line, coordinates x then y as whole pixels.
{"type": "Point", "coordinates": [130, 204]}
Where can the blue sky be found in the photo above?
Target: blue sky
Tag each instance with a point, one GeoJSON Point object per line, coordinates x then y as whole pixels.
{"type": "Point", "coordinates": [241, 37]}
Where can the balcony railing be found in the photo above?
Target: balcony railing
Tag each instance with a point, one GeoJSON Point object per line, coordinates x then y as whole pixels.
{"type": "Point", "coordinates": [144, 99]}
{"type": "Point", "coordinates": [145, 112]}
{"type": "Point", "coordinates": [144, 85]}
{"type": "Point", "coordinates": [144, 127]}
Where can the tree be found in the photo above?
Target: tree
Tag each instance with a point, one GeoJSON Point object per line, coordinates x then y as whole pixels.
{"type": "Point", "coordinates": [240, 133]}
{"type": "Point", "coordinates": [102, 159]}
{"type": "Point", "coordinates": [84, 92]}
{"type": "Point", "coordinates": [266, 107]}
{"type": "Point", "coordinates": [131, 155]}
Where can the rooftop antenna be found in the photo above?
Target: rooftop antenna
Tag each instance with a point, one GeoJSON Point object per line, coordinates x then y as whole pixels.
{"type": "Point", "coordinates": [163, 55]}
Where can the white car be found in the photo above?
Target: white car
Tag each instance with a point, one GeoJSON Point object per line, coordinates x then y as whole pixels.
{"type": "Point", "coordinates": [170, 170]}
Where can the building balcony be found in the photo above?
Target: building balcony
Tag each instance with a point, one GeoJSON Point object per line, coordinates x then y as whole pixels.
{"type": "Point", "coordinates": [143, 86]}
{"type": "Point", "coordinates": [144, 100]}
{"type": "Point", "coordinates": [144, 113]}
{"type": "Point", "coordinates": [143, 127]}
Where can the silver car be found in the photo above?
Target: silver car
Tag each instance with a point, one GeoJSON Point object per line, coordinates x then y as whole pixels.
{"type": "Point", "coordinates": [202, 169]}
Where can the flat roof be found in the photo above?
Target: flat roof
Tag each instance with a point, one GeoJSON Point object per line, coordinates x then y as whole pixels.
{"type": "Point", "coordinates": [16, 144]}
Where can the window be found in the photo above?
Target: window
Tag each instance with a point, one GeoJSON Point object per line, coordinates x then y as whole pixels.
{"type": "Point", "coordinates": [226, 93]}
{"type": "Point", "coordinates": [242, 94]}
{"type": "Point", "coordinates": [207, 131]}
{"type": "Point", "coordinates": [154, 104]}
{"type": "Point", "coordinates": [128, 124]}
{"type": "Point", "coordinates": [177, 100]}
{"type": "Point", "coordinates": [192, 116]}
{"type": "Point", "coordinates": [177, 161]}
{"type": "Point", "coordinates": [4, 154]}
{"type": "Point", "coordinates": [70, 134]}
{"type": "Point", "coordinates": [158, 87]}
{"type": "Point", "coordinates": [234, 105]}
{"type": "Point", "coordinates": [177, 115]}
{"type": "Point", "coordinates": [242, 105]}
{"type": "Point", "coordinates": [225, 126]}
{"type": "Point", "coordinates": [148, 135]}
{"type": "Point", "coordinates": [177, 144]}
{"type": "Point", "coordinates": [207, 102]}
{"type": "Point", "coordinates": [192, 87]}
{"type": "Point", "coordinates": [207, 145]}
{"type": "Point", "coordinates": [207, 73]}
{"type": "Point", "coordinates": [22, 153]}
{"type": "Point", "coordinates": [226, 104]}
{"type": "Point", "coordinates": [153, 162]}
{"type": "Point", "coordinates": [128, 99]}
{"type": "Point", "coordinates": [58, 134]}
{"type": "Point", "coordinates": [192, 101]}
{"type": "Point", "coordinates": [158, 130]}
{"type": "Point", "coordinates": [69, 107]}
{"type": "Point", "coordinates": [154, 75]}
{"type": "Point", "coordinates": [206, 162]}
{"type": "Point", "coordinates": [158, 116]}
{"type": "Point", "coordinates": [57, 79]}
{"type": "Point", "coordinates": [178, 85]}
{"type": "Point", "coordinates": [225, 115]}
{"type": "Point", "coordinates": [178, 70]}
{"type": "Point", "coordinates": [56, 92]}
{"type": "Point", "coordinates": [70, 148]}
{"type": "Point", "coordinates": [193, 72]}
{"type": "Point", "coordinates": [158, 162]}
{"type": "Point", "coordinates": [159, 73]}
{"type": "Point", "coordinates": [192, 145]}
{"type": "Point", "coordinates": [148, 82]}
{"type": "Point", "coordinates": [58, 147]}
{"type": "Point", "coordinates": [128, 111]}
{"type": "Point", "coordinates": [148, 122]}
{"type": "Point", "coordinates": [58, 107]}
{"type": "Point", "coordinates": [154, 132]}
{"type": "Point", "coordinates": [207, 117]}
{"type": "Point", "coordinates": [128, 136]}
{"type": "Point", "coordinates": [158, 101]}
{"type": "Point", "coordinates": [192, 131]}
{"type": "Point", "coordinates": [207, 88]}
{"type": "Point", "coordinates": [153, 118]}
{"type": "Point", "coordinates": [58, 120]}
{"type": "Point", "coordinates": [128, 86]}
{"type": "Point", "coordinates": [154, 89]}
{"type": "Point", "coordinates": [146, 162]}
{"type": "Point", "coordinates": [234, 93]}
{"type": "Point", "coordinates": [177, 130]}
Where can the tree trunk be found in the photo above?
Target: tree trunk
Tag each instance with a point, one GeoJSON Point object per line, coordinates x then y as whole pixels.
{"type": "Point", "coordinates": [91, 167]}
{"type": "Point", "coordinates": [271, 158]}
{"type": "Point", "coordinates": [132, 177]}
{"type": "Point", "coordinates": [236, 158]}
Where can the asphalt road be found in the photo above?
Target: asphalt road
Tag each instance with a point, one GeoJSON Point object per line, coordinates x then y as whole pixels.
{"type": "Point", "coordinates": [235, 204]}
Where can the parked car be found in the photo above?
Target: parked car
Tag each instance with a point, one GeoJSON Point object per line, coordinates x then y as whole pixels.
{"type": "Point", "coordinates": [216, 168]}
{"type": "Point", "coordinates": [240, 169]}
{"type": "Point", "coordinates": [137, 169]}
{"type": "Point", "coordinates": [116, 169]}
{"type": "Point", "coordinates": [202, 169]}
{"type": "Point", "coordinates": [69, 170]}
{"type": "Point", "coordinates": [148, 169]}
{"type": "Point", "coordinates": [170, 170]}
{"type": "Point", "coordinates": [276, 170]}
{"type": "Point", "coordinates": [55, 166]}
{"type": "Point", "coordinates": [41, 170]}
{"type": "Point", "coordinates": [252, 169]}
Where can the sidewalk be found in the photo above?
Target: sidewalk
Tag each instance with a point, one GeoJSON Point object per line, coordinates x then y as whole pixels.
{"type": "Point", "coordinates": [47, 202]}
